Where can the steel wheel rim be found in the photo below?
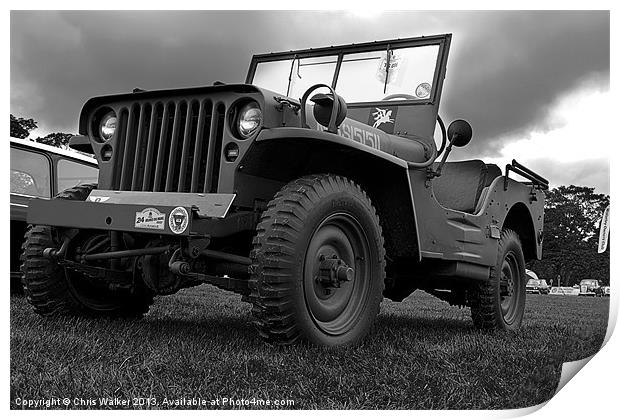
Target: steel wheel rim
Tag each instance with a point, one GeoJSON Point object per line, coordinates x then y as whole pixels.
{"type": "Point", "coordinates": [509, 288]}
{"type": "Point", "coordinates": [334, 313]}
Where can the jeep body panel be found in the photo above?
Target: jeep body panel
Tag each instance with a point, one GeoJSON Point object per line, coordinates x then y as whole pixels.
{"type": "Point", "coordinates": [448, 234]}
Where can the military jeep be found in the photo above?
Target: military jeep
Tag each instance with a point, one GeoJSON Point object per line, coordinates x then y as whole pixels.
{"type": "Point", "coordinates": [314, 189]}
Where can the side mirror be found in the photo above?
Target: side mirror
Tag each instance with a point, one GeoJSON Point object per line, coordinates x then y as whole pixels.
{"type": "Point", "coordinates": [322, 111]}
{"type": "Point", "coordinates": [459, 133]}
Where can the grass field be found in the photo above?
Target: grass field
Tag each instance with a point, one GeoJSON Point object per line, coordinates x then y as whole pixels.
{"type": "Point", "coordinates": [200, 343]}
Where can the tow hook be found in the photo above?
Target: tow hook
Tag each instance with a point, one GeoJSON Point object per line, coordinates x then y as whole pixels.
{"type": "Point", "coordinates": [178, 266]}
{"type": "Point", "coordinates": [53, 253]}
{"type": "Point", "coordinates": [333, 271]}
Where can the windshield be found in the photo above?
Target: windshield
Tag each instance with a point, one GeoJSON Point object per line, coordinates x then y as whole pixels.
{"type": "Point", "coordinates": [358, 76]}
{"type": "Point", "coordinates": [293, 77]}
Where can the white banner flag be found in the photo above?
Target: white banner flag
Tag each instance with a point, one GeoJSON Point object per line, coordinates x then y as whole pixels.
{"type": "Point", "coordinates": [603, 237]}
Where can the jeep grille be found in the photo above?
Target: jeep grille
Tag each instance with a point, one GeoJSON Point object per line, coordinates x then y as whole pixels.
{"type": "Point", "coordinates": [169, 146]}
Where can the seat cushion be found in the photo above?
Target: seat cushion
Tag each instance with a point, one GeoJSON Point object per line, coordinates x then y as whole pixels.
{"type": "Point", "coordinates": [461, 183]}
{"type": "Point", "coordinates": [493, 172]}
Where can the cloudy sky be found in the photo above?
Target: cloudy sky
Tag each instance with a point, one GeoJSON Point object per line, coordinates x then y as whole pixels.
{"type": "Point", "coordinates": [534, 85]}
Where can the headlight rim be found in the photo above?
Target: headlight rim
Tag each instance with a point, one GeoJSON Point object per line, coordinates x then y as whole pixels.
{"type": "Point", "coordinates": [239, 114]}
{"type": "Point", "coordinates": [110, 114]}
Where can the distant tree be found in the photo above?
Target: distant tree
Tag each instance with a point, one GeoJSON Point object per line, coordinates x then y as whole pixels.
{"type": "Point", "coordinates": [55, 139]}
{"type": "Point", "coordinates": [21, 127]}
{"type": "Point", "coordinates": [572, 221]}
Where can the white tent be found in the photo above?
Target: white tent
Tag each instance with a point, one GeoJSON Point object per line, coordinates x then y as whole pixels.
{"type": "Point", "coordinates": [531, 274]}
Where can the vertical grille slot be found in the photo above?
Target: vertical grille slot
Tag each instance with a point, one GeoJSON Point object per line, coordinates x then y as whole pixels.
{"type": "Point", "coordinates": [164, 145]}
{"type": "Point", "coordinates": [215, 149]}
{"type": "Point", "coordinates": [130, 134]}
{"type": "Point", "coordinates": [189, 140]}
{"type": "Point", "coordinates": [173, 145]}
{"type": "Point", "coordinates": [141, 145]}
{"type": "Point", "coordinates": [120, 147]}
{"type": "Point", "coordinates": [173, 154]}
{"type": "Point", "coordinates": [201, 152]}
{"type": "Point", "coordinates": [152, 146]}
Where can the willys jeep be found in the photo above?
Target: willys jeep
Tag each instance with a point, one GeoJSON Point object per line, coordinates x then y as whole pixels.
{"type": "Point", "coordinates": [312, 207]}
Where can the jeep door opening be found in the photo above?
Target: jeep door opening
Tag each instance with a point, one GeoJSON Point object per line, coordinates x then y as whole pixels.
{"type": "Point", "coordinates": [312, 190]}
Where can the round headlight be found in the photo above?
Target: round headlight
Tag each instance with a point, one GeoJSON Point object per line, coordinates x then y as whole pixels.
{"type": "Point", "coordinates": [250, 119]}
{"type": "Point", "coordinates": [107, 126]}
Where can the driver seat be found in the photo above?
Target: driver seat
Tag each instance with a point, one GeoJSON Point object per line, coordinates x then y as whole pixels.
{"type": "Point", "coordinates": [461, 184]}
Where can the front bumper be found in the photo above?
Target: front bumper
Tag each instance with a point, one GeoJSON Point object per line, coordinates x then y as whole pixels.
{"type": "Point", "coordinates": [162, 213]}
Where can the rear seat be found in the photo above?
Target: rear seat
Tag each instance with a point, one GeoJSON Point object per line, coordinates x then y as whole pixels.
{"type": "Point", "coordinates": [462, 184]}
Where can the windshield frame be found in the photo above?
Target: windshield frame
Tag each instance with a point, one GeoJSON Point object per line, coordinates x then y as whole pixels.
{"type": "Point", "coordinates": [442, 41]}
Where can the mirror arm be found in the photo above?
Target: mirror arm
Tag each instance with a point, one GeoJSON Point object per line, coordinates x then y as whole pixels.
{"type": "Point", "coordinates": [437, 172]}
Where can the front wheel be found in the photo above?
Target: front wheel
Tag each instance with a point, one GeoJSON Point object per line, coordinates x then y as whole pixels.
{"type": "Point", "coordinates": [318, 266]}
{"type": "Point", "coordinates": [499, 301]}
{"type": "Point", "coordinates": [54, 289]}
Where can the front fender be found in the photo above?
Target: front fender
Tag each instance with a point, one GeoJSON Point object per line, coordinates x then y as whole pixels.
{"type": "Point", "coordinates": [366, 143]}
{"type": "Point", "coordinates": [281, 155]}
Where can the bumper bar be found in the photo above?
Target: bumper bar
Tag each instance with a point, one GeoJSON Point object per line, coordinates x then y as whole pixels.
{"type": "Point", "coordinates": [131, 211]}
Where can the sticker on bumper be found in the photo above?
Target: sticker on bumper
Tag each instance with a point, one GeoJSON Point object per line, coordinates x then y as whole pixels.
{"type": "Point", "coordinates": [178, 220]}
{"type": "Point", "coordinates": [150, 218]}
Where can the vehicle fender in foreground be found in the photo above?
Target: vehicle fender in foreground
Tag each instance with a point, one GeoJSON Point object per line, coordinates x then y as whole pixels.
{"type": "Point", "coordinates": [281, 155]}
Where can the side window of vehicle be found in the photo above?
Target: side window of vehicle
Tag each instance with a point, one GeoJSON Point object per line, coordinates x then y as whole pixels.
{"type": "Point", "coordinates": [71, 173]}
{"type": "Point", "coordinates": [30, 173]}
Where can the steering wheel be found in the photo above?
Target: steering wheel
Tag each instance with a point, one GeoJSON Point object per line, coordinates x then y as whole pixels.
{"type": "Point", "coordinates": [439, 120]}
{"type": "Point", "coordinates": [400, 95]}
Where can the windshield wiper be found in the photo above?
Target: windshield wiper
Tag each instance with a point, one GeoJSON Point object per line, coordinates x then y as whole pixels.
{"type": "Point", "coordinates": [387, 69]}
{"type": "Point", "coordinates": [290, 73]}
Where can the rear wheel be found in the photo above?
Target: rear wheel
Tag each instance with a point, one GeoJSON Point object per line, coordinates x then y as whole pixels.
{"type": "Point", "coordinates": [499, 301]}
{"type": "Point", "coordinates": [318, 266]}
{"type": "Point", "coordinates": [52, 289]}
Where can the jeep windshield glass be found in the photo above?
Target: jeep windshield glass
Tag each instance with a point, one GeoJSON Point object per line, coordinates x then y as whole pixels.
{"type": "Point", "coordinates": [370, 76]}
{"type": "Point", "coordinates": [362, 77]}
{"type": "Point", "coordinates": [293, 77]}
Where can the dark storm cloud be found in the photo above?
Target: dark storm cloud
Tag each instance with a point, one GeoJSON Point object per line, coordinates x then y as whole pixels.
{"type": "Point", "coordinates": [504, 77]}
{"type": "Point", "coordinates": [505, 68]}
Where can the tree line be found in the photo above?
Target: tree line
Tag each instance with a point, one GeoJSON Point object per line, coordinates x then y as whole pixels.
{"type": "Point", "coordinates": [21, 128]}
{"type": "Point", "coordinates": [572, 222]}
{"type": "Point", "coordinates": [571, 231]}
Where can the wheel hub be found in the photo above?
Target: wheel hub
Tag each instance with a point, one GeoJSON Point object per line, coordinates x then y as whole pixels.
{"type": "Point", "coordinates": [333, 271]}
{"type": "Point", "coordinates": [337, 273]}
{"type": "Point", "coordinates": [509, 287]}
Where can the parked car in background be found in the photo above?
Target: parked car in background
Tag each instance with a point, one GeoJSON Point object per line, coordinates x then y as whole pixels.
{"type": "Point", "coordinates": [606, 291]}
{"type": "Point", "coordinates": [537, 286]}
{"type": "Point", "coordinates": [590, 287]}
{"type": "Point", "coordinates": [38, 170]}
